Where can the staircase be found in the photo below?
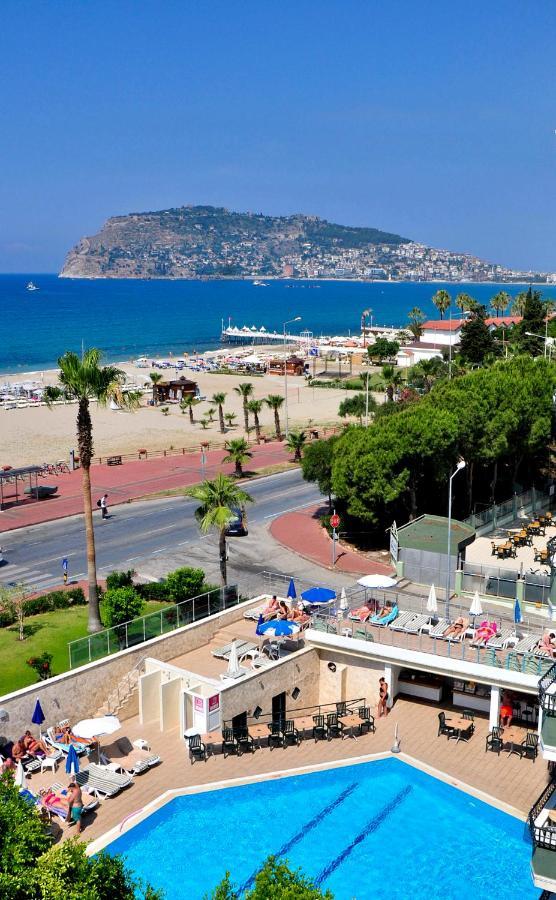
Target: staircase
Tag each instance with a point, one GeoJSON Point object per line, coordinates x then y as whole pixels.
{"type": "Point", "coordinates": [119, 696]}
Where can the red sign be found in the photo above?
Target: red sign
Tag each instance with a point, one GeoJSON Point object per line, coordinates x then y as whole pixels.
{"type": "Point", "coordinates": [334, 520]}
{"type": "Point", "coordinates": [214, 702]}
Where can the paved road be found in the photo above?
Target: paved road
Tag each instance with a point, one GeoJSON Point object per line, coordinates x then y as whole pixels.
{"type": "Point", "coordinates": [134, 533]}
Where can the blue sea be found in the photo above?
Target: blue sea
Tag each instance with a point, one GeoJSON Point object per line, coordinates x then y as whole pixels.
{"type": "Point", "coordinates": [129, 318]}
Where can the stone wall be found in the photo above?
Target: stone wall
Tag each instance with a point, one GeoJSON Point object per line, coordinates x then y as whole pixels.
{"type": "Point", "coordinates": [301, 670]}
{"type": "Point", "coordinates": [355, 677]}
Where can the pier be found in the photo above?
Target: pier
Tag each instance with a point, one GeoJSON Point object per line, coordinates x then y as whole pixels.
{"type": "Point", "coordinates": [254, 335]}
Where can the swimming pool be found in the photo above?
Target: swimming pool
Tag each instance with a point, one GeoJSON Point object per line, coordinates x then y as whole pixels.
{"type": "Point", "coordinates": [376, 830]}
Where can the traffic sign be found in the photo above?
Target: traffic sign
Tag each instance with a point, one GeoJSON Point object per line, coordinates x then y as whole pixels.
{"type": "Point", "coordinates": [334, 520]}
{"type": "Point", "coordinates": [65, 564]}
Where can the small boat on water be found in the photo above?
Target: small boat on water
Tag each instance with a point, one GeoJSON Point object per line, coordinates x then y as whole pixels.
{"type": "Point", "coordinates": [31, 286]}
{"type": "Point", "coordinates": [259, 284]}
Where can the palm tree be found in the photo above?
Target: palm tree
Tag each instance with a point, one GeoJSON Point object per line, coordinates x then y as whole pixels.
{"type": "Point", "coordinates": [84, 379]}
{"type": "Point", "coordinates": [518, 306]}
{"type": "Point", "coordinates": [500, 301]}
{"type": "Point", "coordinates": [393, 380]}
{"type": "Point", "coordinates": [427, 369]}
{"type": "Point", "coordinates": [416, 319]}
{"type": "Point", "coordinates": [465, 302]}
{"type": "Point", "coordinates": [155, 377]}
{"type": "Point", "coordinates": [219, 400]}
{"type": "Point", "coordinates": [255, 407]}
{"type": "Point", "coordinates": [238, 453]}
{"type": "Point", "coordinates": [187, 403]}
{"type": "Point", "coordinates": [296, 442]}
{"type": "Point", "coordinates": [245, 391]}
{"type": "Point", "coordinates": [274, 402]}
{"type": "Point", "coordinates": [230, 419]}
{"type": "Point", "coordinates": [217, 500]}
{"type": "Point", "coordinates": [442, 301]}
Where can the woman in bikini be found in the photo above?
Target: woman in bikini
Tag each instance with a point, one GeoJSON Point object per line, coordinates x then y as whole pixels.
{"type": "Point", "coordinates": [382, 697]}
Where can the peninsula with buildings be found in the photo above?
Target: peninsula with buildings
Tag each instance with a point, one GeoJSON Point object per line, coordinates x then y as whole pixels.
{"type": "Point", "coordinates": [213, 242]}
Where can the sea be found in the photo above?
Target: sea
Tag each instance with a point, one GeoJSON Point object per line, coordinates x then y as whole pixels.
{"type": "Point", "coordinates": [131, 318]}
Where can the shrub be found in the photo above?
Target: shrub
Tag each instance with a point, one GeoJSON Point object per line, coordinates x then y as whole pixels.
{"type": "Point", "coordinates": [42, 665]}
{"type": "Point", "coordinates": [120, 605]}
{"type": "Point", "coordinates": [156, 590]}
{"type": "Point", "coordinates": [184, 583]}
{"type": "Point", "coordinates": [46, 603]}
{"type": "Point", "coordinates": [119, 579]}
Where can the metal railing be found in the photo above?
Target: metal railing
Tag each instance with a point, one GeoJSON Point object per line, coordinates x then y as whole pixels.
{"type": "Point", "coordinates": [317, 709]}
{"type": "Point", "coordinates": [501, 582]}
{"type": "Point", "coordinates": [548, 701]}
{"type": "Point", "coordinates": [542, 835]}
{"type": "Point", "coordinates": [486, 520]}
{"type": "Point", "coordinates": [144, 628]}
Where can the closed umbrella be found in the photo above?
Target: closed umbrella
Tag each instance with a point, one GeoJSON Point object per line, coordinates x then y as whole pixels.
{"type": "Point", "coordinates": [291, 590]}
{"type": "Point", "coordinates": [20, 775]}
{"type": "Point", "coordinates": [518, 618]}
{"type": "Point", "coordinates": [343, 599]}
{"type": "Point", "coordinates": [72, 761]}
{"type": "Point", "coordinates": [476, 608]}
{"type": "Point", "coordinates": [233, 669]}
{"type": "Point", "coordinates": [38, 715]}
{"type": "Point", "coordinates": [432, 606]}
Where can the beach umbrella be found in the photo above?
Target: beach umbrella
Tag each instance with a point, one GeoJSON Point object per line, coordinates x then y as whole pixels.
{"type": "Point", "coordinates": [20, 775]}
{"type": "Point", "coordinates": [518, 618]}
{"type": "Point", "coordinates": [38, 715]}
{"type": "Point", "coordinates": [95, 728]}
{"type": "Point", "coordinates": [377, 581]}
{"type": "Point", "coordinates": [278, 628]}
{"type": "Point", "coordinates": [233, 662]}
{"type": "Point", "coordinates": [292, 594]}
{"type": "Point", "coordinates": [343, 599]}
{"type": "Point", "coordinates": [476, 609]}
{"type": "Point", "coordinates": [72, 761]}
{"type": "Point", "coordinates": [318, 595]}
{"type": "Point", "coordinates": [432, 606]}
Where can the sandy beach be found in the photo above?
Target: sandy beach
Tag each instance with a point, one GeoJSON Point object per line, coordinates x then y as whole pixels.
{"type": "Point", "coordinates": [36, 435]}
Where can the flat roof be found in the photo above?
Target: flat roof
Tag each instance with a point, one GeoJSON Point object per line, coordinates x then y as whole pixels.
{"type": "Point", "coordinates": [20, 473]}
{"type": "Point", "coordinates": [431, 533]}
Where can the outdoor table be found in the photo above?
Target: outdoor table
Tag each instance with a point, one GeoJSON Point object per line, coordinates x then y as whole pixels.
{"type": "Point", "coordinates": [303, 723]}
{"type": "Point", "coordinates": [351, 722]}
{"type": "Point", "coordinates": [459, 724]}
{"type": "Point", "coordinates": [210, 739]}
{"type": "Point", "coordinates": [512, 737]}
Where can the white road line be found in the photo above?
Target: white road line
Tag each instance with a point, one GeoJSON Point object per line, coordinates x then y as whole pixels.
{"type": "Point", "coordinates": [132, 558]}
{"type": "Point", "coordinates": [181, 543]}
{"type": "Point", "coordinates": [291, 509]}
{"type": "Point", "coordinates": [162, 550]}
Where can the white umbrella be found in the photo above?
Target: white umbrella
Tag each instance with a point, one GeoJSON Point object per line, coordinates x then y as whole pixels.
{"type": "Point", "coordinates": [233, 662]}
{"type": "Point", "coordinates": [90, 728]}
{"type": "Point", "coordinates": [432, 606]}
{"type": "Point", "coordinates": [377, 581]}
{"type": "Point", "coordinates": [476, 608]}
{"type": "Point", "coordinates": [20, 775]}
{"type": "Point", "coordinates": [343, 599]}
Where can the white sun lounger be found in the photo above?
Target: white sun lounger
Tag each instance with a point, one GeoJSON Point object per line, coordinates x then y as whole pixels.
{"type": "Point", "coordinates": [503, 640]}
{"type": "Point", "coordinates": [526, 644]}
{"type": "Point", "coordinates": [439, 629]}
{"type": "Point", "coordinates": [416, 623]}
{"type": "Point", "coordinates": [403, 619]}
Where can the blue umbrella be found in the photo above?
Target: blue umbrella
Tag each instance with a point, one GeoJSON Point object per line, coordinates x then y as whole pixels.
{"type": "Point", "coordinates": [517, 612]}
{"type": "Point", "coordinates": [278, 628]}
{"type": "Point", "coordinates": [318, 595]}
{"type": "Point", "coordinates": [291, 590]}
{"type": "Point", "coordinates": [72, 761]}
{"type": "Point", "coordinates": [38, 715]}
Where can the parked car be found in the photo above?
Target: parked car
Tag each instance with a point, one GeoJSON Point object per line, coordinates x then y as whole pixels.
{"type": "Point", "coordinates": [238, 525]}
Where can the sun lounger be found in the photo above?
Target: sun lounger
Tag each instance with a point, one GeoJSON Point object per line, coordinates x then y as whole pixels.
{"type": "Point", "coordinates": [241, 648]}
{"type": "Point", "coordinates": [401, 621]}
{"type": "Point", "coordinates": [503, 640]}
{"type": "Point", "coordinates": [439, 628]}
{"type": "Point", "coordinates": [122, 756]}
{"type": "Point", "coordinates": [526, 644]}
{"type": "Point", "coordinates": [466, 631]}
{"type": "Point", "coordinates": [102, 781]}
{"type": "Point", "coordinates": [50, 738]}
{"type": "Point", "coordinates": [51, 801]}
{"type": "Point", "coordinates": [382, 623]}
{"type": "Point", "coordinates": [416, 623]}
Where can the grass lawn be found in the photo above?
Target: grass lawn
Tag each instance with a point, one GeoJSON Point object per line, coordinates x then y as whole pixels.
{"type": "Point", "coordinates": [46, 632]}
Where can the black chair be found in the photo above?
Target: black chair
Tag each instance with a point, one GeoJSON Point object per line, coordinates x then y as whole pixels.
{"type": "Point", "coordinates": [245, 740]}
{"type": "Point", "coordinates": [367, 720]}
{"type": "Point", "coordinates": [230, 743]}
{"type": "Point", "coordinates": [529, 712]}
{"type": "Point", "coordinates": [494, 740]}
{"type": "Point", "coordinates": [276, 735]}
{"type": "Point", "coordinates": [341, 709]}
{"type": "Point", "coordinates": [469, 717]}
{"type": "Point", "coordinates": [320, 729]}
{"type": "Point", "coordinates": [443, 728]}
{"type": "Point", "coordinates": [530, 746]}
{"type": "Point", "coordinates": [291, 733]}
{"type": "Point", "coordinates": [197, 749]}
{"type": "Point", "coordinates": [334, 726]}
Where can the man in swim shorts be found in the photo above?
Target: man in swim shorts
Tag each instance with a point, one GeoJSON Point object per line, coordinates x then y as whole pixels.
{"type": "Point", "coordinates": [75, 805]}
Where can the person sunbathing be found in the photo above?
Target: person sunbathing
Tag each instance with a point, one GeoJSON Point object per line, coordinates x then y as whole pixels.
{"type": "Point", "coordinates": [485, 632]}
{"type": "Point", "coordinates": [362, 613]}
{"type": "Point", "coordinates": [384, 612]}
{"type": "Point", "coordinates": [33, 746]}
{"type": "Point", "coordinates": [547, 644]}
{"type": "Point", "coordinates": [18, 751]}
{"type": "Point", "coordinates": [457, 627]}
{"type": "Point", "coordinates": [283, 610]}
{"type": "Point", "coordinates": [271, 609]}
{"type": "Point", "coordinates": [299, 615]}
{"type": "Point", "coordinates": [66, 736]}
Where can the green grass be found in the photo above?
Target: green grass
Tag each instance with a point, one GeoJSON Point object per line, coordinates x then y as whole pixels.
{"type": "Point", "coordinates": [46, 632]}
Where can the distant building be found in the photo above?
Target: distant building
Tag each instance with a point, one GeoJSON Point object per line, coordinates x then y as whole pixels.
{"type": "Point", "coordinates": [439, 334]}
{"type": "Point", "coordinates": [287, 270]}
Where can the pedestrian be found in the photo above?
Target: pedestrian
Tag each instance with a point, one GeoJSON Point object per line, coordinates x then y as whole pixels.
{"type": "Point", "coordinates": [75, 806]}
{"type": "Point", "coordinates": [382, 697]}
{"type": "Point", "coordinates": [104, 506]}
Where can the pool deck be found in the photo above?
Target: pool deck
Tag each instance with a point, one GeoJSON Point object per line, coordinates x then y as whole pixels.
{"type": "Point", "coordinates": [513, 783]}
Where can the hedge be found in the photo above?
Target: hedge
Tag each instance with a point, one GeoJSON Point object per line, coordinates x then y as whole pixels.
{"type": "Point", "coordinates": [46, 603]}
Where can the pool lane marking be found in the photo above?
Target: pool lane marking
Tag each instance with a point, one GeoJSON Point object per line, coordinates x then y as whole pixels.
{"type": "Point", "coordinates": [316, 820]}
{"type": "Point", "coordinates": [371, 826]}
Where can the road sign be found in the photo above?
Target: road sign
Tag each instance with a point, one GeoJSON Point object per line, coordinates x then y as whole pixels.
{"type": "Point", "coordinates": [334, 520]}
{"type": "Point", "coordinates": [65, 564]}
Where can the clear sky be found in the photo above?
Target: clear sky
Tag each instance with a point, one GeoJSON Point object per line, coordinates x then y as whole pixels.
{"type": "Point", "coordinates": [433, 119]}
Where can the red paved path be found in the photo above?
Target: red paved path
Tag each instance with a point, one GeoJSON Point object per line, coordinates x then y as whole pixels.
{"type": "Point", "coordinates": [131, 481]}
{"type": "Point", "coordinates": [302, 532]}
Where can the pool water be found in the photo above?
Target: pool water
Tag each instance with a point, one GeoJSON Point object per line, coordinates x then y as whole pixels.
{"type": "Point", "coordinates": [374, 830]}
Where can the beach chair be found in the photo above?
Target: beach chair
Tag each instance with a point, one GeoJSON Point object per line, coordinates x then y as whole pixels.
{"type": "Point", "coordinates": [416, 623]}
{"type": "Point", "coordinates": [504, 639]}
{"type": "Point", "coordinates": [121, 755]}
{"type": "Point", "coordinates": [526, 644]}
{"type": "Point", "coordinates": [102, 782]}
{"type": "Point", "coordinates": [79, 747]}
{"type": "Point", "coordinates": [382, 623]}
{"type": "Point", "coordinates": [439, 628]}
{"type": "Point", "coordinates": [254, 613]}
{"type": "Point", "coordinates": [51, 801]}
{"type": "Point", "coordinates": [401, 621]}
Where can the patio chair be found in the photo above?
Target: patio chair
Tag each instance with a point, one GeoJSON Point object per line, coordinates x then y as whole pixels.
{"type": "Point", "coordinates": [494, 740]}
{"type": "Point", "coordinates": [291, 733]}
{"type": "Point", "coordinates": [341, 708]}
{"type": "Point", "coordinates": [502, 640]}
{"type": "Point", "coordinates": [439, 628]}
{"type": "Point", "coordinates": [416, 623]}
{"type": "Point", "coordinates": [443, 727]}
{"type": "Point", "coordinates": [320, 729]}
{"type": "Point", "coordinates": [230, 743]}
{"type": "Point", "coordinates": [367, 720]}
{"type": "Point", "coordinates": [402, 620]}
{"type": "Point", "coordinates": [526, 644]}
{"type": "Point", "coordinates": [334, 727]}
{"type": "Point", "coordinates": [276, 735]}
{"type": "Point", "coordinates": [530, 746]}
{"type": "Point", "coordinates": [245, 740]}
{"type": "Point", "coordinates": [197, 749]}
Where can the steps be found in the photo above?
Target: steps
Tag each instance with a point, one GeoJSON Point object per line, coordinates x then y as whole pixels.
{"type": "Point", "coordinates": [123, 691]}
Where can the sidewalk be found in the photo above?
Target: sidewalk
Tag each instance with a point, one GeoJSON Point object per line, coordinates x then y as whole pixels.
{"type": "Point", "coordinates": [302, 532]}
{"type": "Point", "coordinates": [130, 481]}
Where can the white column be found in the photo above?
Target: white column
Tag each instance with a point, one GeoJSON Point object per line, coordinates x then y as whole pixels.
{"type": "Point", "coordinates": [391, 675]}
{"type": "Point", "coordinates": [494, 714]}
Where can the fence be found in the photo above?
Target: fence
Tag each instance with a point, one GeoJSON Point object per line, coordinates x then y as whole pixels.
{"type": "Point", "coordinates": [487, 520]}
{"type": "Point", "coordinates": [137, 631]}
{"type": "Point", "coordinates": [498, 582]}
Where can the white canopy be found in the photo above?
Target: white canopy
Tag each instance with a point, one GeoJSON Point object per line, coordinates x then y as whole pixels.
{"type": "Point", "coordinates": [377, 581]}
{"type": "Point", "coordinates": [90, 728]}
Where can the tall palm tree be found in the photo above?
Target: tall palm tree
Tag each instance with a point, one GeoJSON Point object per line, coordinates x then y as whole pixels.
{"type": "Point", "coordinates": [187, 403]}
{"type": "Point", "coordinates": [500, 302]}
{"type": "Point", "coordinates": [238, 453]}
{"type": "Point", "coordinates": [393, 380]}
{"type": "Point", "coordinates": [219, 400]}
{"type": "Point", "coordinates": [296, 442]}
{"type": "Point", "coordinates": [427, 369]}
{"type": "Point", "coordinates": [84, 379]}
{"type": "Point", "coordinates": [274, 402]}
{"type": "Point", "coordinates": [245, 391]}
{"type": "Point", "coordinates": [518, 306]}
{"type": "Point", "coordinates": [217, 501]}
{"type": "Point", "coordinates": [255, 407]}
{"type": "Point", "coordinates": [442, 301]}
{"type": "Point", "coordinates": [416, 319]}
{"type": "Point", "coordinates": [465, 302]}
{"type": "Point", "coordinates": [156, 378]}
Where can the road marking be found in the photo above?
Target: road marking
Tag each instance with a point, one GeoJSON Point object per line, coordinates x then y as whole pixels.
{"type": "Point", "coordinates": [291, 509]}
{"type": "Point", "coordinates": [162, 550]}
{"type": "Point", "coordinates": [132, 558]}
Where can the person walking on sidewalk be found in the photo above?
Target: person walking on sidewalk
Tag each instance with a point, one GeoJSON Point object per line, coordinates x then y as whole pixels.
{"type": "Point", "coordinates": [104, 506]}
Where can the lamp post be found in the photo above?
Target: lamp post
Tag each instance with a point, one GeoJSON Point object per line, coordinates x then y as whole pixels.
{"type": "Point", "coordinates": [289, 321]}
{"type": "Point", "coordinates": [548, 341]}
{"type": "Point", "coordinates": [459, 467]}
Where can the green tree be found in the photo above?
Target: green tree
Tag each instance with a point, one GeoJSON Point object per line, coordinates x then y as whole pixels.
{"type": "Point", "coordinates": [217, 501]}
{"type": "Point", "coordinates": [416, 318]}
{"type": "Point", "coordinates": [219, 399]}
{"type": "Point", "coordinates": [427, 371]}
{"type": "Point", "coordinates": [533, 323]}
{"type": "Point", "coordinates": [465, 302]}
{"type": "Point", "coordinates": [274, 881]}
{"type": "Point", "coordinates": [500, 302]}
{"type": "Point", "coordinates": [518, 305]}
{"type": "Point", "coordinates": [392, 379]}
{"type": "Point", "coordinates": [255, 408]}
{"type": "Point", "coordinates": [238, 453]}
{"type": "Point", "coordinates": [12, 601]}
{"type": "Point", "coordinates": [275, 402]}
{"type": "Point", "coordinates": [476, 340]}
{"type": "Point", "coordinates": [296, 443]}
{"type": "Point", "coordinates": [383, 349]}
{"type": "Point", "coordinates": [442, 301]}
{"type": "Point", "coordinates": [230, 419]}
{"type": "Point", "coordinates": [245, 391]}
{"type": "Point", "coordinates": [187, 403]}
{"type": "Point", "coordinates": [156, 378]}
{"type": "Point", "coordinates": [357, 406]}
{"type": "Point", "coordinates": [84, 379]}
{"type": "Point", "coordinates": [316, 465]}
{"type": "Point", "coordinates": [120, 605]}
{"type": "Point", "coordinates": [184, 583]}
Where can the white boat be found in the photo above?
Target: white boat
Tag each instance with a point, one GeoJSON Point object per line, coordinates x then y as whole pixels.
{"type": "Point", "coordinates": [259, 284]}
{"type": "Point", "coordinates": [31, 286]}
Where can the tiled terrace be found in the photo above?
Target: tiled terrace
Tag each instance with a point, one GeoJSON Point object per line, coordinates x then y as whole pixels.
{"type": "Point", "coordinates": [510, 780]}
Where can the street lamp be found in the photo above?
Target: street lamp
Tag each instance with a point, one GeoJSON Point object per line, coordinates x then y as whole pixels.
{"type": "Point", "coordinates": [459, 467]}
{"type": "Point", "coordinates": [548, 341]}
{"type": "Point", "coordinates": [289, 321]}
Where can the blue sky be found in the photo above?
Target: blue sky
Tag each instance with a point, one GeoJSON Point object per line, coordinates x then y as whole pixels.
{"type": "Point", "coordinates": [432, 119]}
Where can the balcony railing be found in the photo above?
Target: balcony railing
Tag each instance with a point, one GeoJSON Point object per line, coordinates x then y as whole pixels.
{"type": "Point", "coordinates": [542, 835]}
